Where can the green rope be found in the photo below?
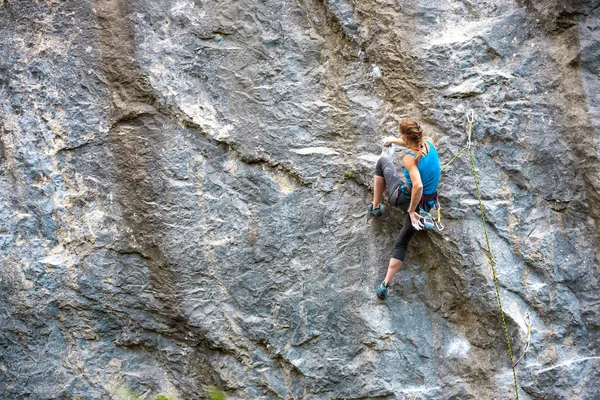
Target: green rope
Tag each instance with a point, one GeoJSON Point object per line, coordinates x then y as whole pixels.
{"type": "Point", "coordinates": [493, 265]}
{"type": "Point", "coordinates": [487, 241]}
{"type": "Point", "coordinates": [454, 158]}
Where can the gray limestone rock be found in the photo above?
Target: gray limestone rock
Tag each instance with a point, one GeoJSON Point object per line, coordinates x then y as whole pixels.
{"type": "Point", "coordinates": [183, 190]}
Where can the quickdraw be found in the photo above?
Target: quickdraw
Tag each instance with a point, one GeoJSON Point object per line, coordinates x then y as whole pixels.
{"type": "Point", "coordinates": [470, 120]}
{"type": "Point", "coordinates": [528, 340]}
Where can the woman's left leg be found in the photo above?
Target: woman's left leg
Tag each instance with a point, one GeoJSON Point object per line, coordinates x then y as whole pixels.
{"type": "Point", "coordinates": [385, 175]}
{"type": "Point", "coordinates": [378, 188]}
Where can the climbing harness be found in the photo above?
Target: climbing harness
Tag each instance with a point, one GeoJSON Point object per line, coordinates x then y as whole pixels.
{"type": "Point", "coordinates": [528, 340]}
{"type": "Point", "coordinates": [470, 119]}
{"type": "Point", "coordinates": [427, 220]}
{"type": "Point", "coordinates": [430, 222]}
{"type": "Point", "coordinates": [435, 222]}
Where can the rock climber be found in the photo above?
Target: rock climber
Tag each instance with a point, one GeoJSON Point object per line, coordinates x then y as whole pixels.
{"type": "Point", "coordinates": [417, 196]}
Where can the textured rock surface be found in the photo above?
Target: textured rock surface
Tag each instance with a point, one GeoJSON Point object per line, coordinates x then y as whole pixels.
{"type": "Point", "coordinates": [183, 189]}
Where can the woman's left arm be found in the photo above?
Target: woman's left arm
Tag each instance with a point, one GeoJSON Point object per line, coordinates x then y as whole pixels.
{"type": "Point", "coordinates": [410, 163]}
{"type": "Point", "coordinates": [392, 140]}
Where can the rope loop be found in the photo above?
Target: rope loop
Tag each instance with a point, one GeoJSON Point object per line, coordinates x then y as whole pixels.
{"type": "Point", "coordinates": [470, 118]}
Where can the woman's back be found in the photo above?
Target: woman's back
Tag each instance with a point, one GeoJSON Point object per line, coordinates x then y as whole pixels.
{"type": "Point", "coordinates": [429, 169]}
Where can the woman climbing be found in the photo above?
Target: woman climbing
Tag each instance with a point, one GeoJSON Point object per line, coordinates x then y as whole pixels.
{"type": "Point", "coordinates": [422, 172]}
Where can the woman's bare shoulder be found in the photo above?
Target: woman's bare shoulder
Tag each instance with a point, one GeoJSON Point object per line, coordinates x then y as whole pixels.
{"type": "Point", "coordinates": [409, 160]}
{"type": "Point", "coordinates": [429, 138]}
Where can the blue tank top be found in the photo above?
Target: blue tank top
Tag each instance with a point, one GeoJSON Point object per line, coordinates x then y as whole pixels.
{"type": "Point", "coordinates": [430, 170]}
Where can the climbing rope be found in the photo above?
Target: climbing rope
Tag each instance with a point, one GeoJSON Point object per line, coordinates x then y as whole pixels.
{"type": "Point", "coordinates": [470, 119]}
{"type": "Point", "coordinates": [470, 116]}
{"type": "Point", "coordinates": [438, 220]}
{"type": "Point", "coordinates": [454, 158]}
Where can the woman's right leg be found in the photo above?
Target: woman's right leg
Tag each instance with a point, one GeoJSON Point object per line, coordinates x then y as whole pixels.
{"type": "Point", "coordinates": [393, 268]}
{"type": "Point", "coordinates": [404, 236]}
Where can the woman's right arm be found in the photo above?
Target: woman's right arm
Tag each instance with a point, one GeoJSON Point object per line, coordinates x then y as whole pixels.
{"type": "Point", "coordinates": [417, 191]}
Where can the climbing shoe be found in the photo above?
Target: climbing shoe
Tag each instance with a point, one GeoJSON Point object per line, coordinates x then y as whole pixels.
{"type": "Point", "coordinates": [382, 291]}
{"type": "Point", "coordinates": [378, 212]}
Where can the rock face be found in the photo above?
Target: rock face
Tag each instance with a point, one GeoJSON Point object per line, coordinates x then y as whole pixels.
{"type": "Point", "coordinates": [183, 190]}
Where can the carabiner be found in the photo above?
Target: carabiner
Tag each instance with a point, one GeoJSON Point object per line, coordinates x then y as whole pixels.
{"type": "Point", "coordinates": [470, 118]}
{"type": "Point", "coordinates": [528, 341]}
